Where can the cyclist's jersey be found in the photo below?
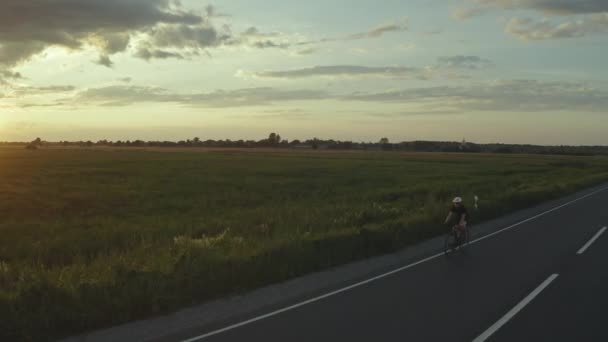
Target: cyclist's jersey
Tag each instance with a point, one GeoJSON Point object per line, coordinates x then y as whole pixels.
{"type": "Point", "coordinates": [458, 212]}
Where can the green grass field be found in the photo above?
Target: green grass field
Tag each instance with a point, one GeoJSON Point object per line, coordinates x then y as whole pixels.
{"type": "Point", "coordinates": [94, 238]}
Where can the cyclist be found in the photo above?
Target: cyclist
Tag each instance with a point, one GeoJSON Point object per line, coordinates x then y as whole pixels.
{"type": "Point", "coordinates": [457, 216]}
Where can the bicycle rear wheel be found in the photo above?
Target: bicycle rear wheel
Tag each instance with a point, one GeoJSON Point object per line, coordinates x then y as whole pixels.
{"type": "Point", "coordinates": [449, 244]}
{"type": "Point", "coordinates": [465, 240]}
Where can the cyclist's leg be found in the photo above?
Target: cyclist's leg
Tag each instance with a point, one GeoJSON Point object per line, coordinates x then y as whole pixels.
{"type": "Point", "coordinates": [457, 234]}
{"type": "Point", "coordinates": [460, 233]}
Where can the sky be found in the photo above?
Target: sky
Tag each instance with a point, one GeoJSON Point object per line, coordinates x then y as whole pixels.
{"type": "Point", "coordinates": [510, 71]}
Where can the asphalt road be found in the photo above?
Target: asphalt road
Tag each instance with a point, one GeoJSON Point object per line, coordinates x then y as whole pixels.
{"type": "Point", "coordinates": [486, 294]}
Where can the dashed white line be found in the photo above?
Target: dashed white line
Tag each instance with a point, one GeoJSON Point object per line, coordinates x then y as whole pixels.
{"type": "Point", "coordinates": [384, 275]}
{"type": "Point", "coordinates": [491, 330]}
{"type": "Point", "coordinates": [590, 242]}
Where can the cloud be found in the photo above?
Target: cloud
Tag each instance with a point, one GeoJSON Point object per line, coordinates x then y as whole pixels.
{"type": "Point", "coordinates": [187, 36]}
{"type": "Point", "coordinates": [549, 7]}
{"type": "Point", "coordinates": [255, 32]}
{"type": "Point", "coordinates": [126, 95]}
{"type": "Point", "coordinates": [268, 44]}
{"type": "Point", "coordinates": [376, 32]}
{"type": "Point", "coordinates": [29, 91]}
{"type": "Point", "coordinates": [585, 17]}
{"type": "Point", "coordinates": [105, 61]}
{"type": "Point", "coordinates": [546, 7]}
{"type": "Point", "coordinates": [152, 29]}
{"type": "Point", "coordinates": [22, 91]}
{"type": "Point", "coordinates": [151, 53]}
{"type": "Point", "coordinates": [506, 96]}
{"type": "Point", "coordinates": [379, 31]}
{"type": "Point", "coordinates": [29, 27]}
{"type": "Point", "coordinates": [349, 71]}
{"type": "Point", "coordinates": [529, 29]}
{"type": "Point", "coordinates": [464, 62]}
{"type": "Point", "coordinates": [6, 75]}
{"type": "Point", "coordinates": [445, 68]}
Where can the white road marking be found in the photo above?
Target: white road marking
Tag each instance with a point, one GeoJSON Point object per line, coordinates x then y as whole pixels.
{"type": "Point", "coordinates": [588, 244]}
{"type": "Point", "coordinates": [274, 313]}
{"type": "Point", "coordinates": [491, 330]}
{"type": "Point", "coordinates": [384, 275]}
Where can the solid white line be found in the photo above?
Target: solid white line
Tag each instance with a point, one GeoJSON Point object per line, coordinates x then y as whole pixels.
{"type": "Point", "coordinates": [486, 334]}
{"type": "Point", "coordinates": [588, 244]}
{"type": "Point", "coordinates": [539, 215]}
{"type": "Point", "coordinates": [274, 313]}
{"type": "Point", "coordinates": [384, 275]}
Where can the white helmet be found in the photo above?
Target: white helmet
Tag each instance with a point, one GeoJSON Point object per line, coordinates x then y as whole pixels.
{"type": "Point", "coordinates": [457, 200]}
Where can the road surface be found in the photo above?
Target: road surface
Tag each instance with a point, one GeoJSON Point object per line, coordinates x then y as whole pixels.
{"type": "Point", "coordinates": [544, 278]}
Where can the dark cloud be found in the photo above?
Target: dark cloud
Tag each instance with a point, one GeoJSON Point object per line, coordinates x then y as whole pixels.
{"type": "Point", "coordinates": [29, 27]}
{"type": "Point", "coordinates": [151, 53]}
{"type": "Point", "coordinates": [6, 75]}
{"type": "Point", "coordinates": [162, 28]}
{"type": "Point", "coordinates": [185, 36]}
{"type": "Point", "coordinates": [105, 61]}
{"type": "Point", "coordinates": [181, 41]}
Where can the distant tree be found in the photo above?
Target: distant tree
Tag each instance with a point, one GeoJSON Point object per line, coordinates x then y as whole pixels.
{"type": "Point", "coordinates": [385, 144]}
{"type": "Point", "coordinates": [274, 139]}
{"type": "Point", "coordinates": [37, 142]}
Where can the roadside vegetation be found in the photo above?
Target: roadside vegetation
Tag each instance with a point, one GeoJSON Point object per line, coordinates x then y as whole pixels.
{"type": "Point", "coordinates": [92, 238]}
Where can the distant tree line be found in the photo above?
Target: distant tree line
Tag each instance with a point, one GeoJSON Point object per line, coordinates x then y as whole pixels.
{"type": "Point", "coordinates": [275, 140]}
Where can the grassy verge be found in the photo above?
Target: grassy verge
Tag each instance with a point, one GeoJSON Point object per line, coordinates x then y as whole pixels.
{"type": "Point", "coordinates": [96, 238]}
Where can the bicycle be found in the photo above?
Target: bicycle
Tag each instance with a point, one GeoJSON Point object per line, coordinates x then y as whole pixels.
{"type": "Point", "coordinates": [456, 239]}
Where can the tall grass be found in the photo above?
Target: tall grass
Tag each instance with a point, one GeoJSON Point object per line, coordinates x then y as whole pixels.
{"type": "Point", "coordinates": [96, 238]}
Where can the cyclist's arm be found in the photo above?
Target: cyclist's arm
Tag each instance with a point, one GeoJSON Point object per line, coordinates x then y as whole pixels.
{"type": "Point", "coordinates": [447, 219]}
